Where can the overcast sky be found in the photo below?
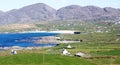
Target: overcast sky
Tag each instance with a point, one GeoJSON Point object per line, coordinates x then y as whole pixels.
{"type": "Point", "coordinates": [6, 5]}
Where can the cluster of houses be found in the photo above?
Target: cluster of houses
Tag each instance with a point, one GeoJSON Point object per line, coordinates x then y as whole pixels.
{"type": "Point", "coordinates": [13, 52]}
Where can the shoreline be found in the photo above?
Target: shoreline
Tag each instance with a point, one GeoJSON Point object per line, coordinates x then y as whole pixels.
{"type": "Point", "coordinates": [37, 31]}
{"type": "Point", "coordinates": [24, 48]}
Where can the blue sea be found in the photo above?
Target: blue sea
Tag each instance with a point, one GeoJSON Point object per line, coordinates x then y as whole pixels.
{"type": "Point", "coordinates": [11, 39]}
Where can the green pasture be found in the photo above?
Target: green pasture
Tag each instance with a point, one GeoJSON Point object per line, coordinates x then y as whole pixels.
{"type": "Point", "coordinates": [40, 59]}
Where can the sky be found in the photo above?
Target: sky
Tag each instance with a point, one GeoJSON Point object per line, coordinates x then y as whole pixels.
{"type": "Point", "coordinates": [6, 5]}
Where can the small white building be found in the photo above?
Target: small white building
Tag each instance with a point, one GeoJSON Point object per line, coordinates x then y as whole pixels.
{"type": "Point", "coordinates": [69, 46]}
{"type": "Point", "coordinates": [15, 52]}
{"type": "Point", "coordinates": [65, 52]}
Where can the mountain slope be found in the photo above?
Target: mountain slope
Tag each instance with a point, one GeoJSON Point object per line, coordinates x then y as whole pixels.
{"type": "Point", "coordinates": [35, 12]}
{"type": "Point", "coordinates": [87, 13]}
{"type": "Point", "coordinates": [42, 12]}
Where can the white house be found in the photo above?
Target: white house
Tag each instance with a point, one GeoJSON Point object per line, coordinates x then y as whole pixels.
{"type": "Point", "coordinates": [69, 46]}
{"type": "Point", "coordinates": [65, 52]}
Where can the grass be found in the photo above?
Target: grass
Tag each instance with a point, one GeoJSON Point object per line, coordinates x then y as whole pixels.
{"type": "Point", "coordinates": [106, 61]}
{"type": "Point", "coordinates": [95, 50]}
{"type": "Point", "coordinates": [109, 53]}
{"type": "Point", "coordinates": [91, 48]}
{"type": "Point", "coordinates": [37, 59]}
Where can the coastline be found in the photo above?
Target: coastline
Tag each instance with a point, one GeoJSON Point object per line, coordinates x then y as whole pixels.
{"type": "Point", "coordinates": [23, 48]}
{"type": "Point", "coordinates": [42, 31]}
{"type": "Point", "coordinates": [33, 39]}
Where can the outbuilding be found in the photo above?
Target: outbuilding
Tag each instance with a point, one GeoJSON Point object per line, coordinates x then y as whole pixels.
{"type": "Point", "coordinates": [80, 54]}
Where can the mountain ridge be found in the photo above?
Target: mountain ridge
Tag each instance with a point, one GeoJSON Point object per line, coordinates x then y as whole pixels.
{"type": "Point", "coordinates": [41, 12]}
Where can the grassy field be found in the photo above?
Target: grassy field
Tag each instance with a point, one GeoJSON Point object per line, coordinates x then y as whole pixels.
{"type": "Point", "coordinates": [37, 59]}
{"type": "Point", "coordinates": [102, 48]}
{"type": "Point", "coordinates": [101, 54]}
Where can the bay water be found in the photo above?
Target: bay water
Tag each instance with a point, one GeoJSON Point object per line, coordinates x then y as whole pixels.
{"type": "Point", "coordinates": [16, 39]}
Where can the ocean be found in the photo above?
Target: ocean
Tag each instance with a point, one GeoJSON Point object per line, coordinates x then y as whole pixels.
{"type": "Point", "coordinates": [14, 39]}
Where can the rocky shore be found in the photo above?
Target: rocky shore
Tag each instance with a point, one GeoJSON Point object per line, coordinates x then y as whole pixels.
{"type": "Point", "coordinates": [23, 48]}
{"type": "Point", "coordinates": [48, 39]}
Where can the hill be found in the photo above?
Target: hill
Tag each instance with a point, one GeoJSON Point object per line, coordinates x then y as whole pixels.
{"type": "Point", "coordinates": [36, 12]}
{"type": "Point", "coordinates": [42, 12]}
{"type": "Point", "coordinates": [87, 13]}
